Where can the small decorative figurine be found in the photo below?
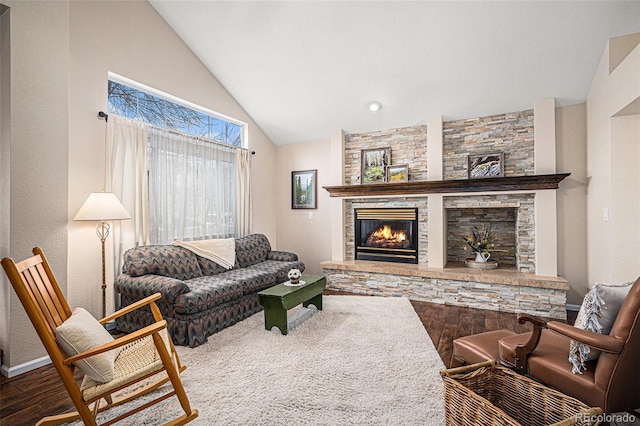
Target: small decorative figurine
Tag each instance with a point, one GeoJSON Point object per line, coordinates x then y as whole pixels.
{"type": "Point", "coordinates": [294, 276]}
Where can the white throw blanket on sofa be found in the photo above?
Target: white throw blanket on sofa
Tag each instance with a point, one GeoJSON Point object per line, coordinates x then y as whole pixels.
{"type": "Point", "coordinates": [222, 251]}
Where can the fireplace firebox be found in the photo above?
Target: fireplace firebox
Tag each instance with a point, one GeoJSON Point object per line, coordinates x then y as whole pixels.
{"type": "Point", "coordinates": [386, 234]}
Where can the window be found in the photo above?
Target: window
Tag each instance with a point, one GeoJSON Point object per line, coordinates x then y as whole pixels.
{"type": "Point", "coordinates": [191, 165]}
{"type": "Point", "coordinates": [137, 104]}
{"type": "Point", "coordinates": [192, 188]}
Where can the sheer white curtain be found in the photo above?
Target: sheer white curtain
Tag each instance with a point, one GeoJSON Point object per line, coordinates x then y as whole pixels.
{"type": "Point", "coordinates": [243, 168]}
{"type": "Point", "coordinates": [127, 179]}
{"type": "Point", "coordinates": [192, 188]}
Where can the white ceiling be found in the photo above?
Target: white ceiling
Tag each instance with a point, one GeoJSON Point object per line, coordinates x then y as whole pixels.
{"type": "Point", "coordinates": [303, 69]}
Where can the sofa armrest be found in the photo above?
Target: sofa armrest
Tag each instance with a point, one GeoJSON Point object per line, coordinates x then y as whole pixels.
{"type": "Point", "coordinates": [147, 285]}
{"type": "Point", "coordinates": [602, 342]}
{"type": "Point", "coordinates": [283, 256]}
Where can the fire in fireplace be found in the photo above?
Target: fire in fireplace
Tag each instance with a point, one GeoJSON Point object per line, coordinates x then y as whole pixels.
{"type": "Point", "coordinates": [387, 234]}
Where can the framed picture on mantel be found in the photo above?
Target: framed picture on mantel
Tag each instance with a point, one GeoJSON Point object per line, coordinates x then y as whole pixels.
{"type": "Point", "coordinates": [398, 173]}
{"type": "Point", "coordinates": [486, 165]}
{"type": "Point", "coordinates": [303, 189]}
{"type": "Point", "coordinates": [374, 164]}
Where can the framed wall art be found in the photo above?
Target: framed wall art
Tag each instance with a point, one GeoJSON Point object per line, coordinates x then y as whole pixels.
{"type": "Point", "coordinates": [486, 165]}
{"type": "Point", "coordinates": [398, 173]}
{"type": "Point", "coordinates": [374, 164]}
{"type": "Point", "coordinates": [304, 191]}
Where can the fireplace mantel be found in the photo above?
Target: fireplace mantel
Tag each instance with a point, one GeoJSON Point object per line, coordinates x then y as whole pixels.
{"type": "Point", "coordinates": [510, 183]}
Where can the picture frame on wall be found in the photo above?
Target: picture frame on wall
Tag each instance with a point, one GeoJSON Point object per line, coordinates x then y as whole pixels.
{"type": "Point", "coordinates": [398, 173]}
{"type": "Point", "coordinates": [304, 191]}
{"type": "Point", "coordinates": [374, 164]}
{"type": "Point", "coordinates": [485, 165]}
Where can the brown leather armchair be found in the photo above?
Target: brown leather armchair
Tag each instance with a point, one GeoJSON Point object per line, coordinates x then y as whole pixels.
{"type": "Point", "coordinates": [612, 382]}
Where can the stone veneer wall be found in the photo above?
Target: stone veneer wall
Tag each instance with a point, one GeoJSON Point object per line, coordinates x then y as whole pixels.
{"type": "Point", "coordinates": [524, 225]}
{"type": "Point", "coordinates": [546, 302]}
{"type": "Point", "coordinates": [408, 146]}
{"type": "Point", "coordinates": [510, 133]}
{"type": "Point", "coordinates": [356, 203]}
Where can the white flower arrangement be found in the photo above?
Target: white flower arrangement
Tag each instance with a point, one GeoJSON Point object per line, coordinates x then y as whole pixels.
{"type": "Point", "coordinates": [294, 275]}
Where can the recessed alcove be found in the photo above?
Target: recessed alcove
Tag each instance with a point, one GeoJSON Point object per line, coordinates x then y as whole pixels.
{"type": "Point", "coordinates": [500, 221]}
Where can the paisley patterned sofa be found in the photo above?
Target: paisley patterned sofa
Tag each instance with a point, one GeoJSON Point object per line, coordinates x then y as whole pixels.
{"type": "Point", "coordinates": [200, 297]}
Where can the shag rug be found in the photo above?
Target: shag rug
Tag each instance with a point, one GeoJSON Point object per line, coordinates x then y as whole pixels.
{"type": "Point", "coordinates": [360, 361]}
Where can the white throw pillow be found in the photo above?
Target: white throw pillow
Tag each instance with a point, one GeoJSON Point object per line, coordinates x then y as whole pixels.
{"type": "Point", "coordinates": [81, 332]}
{"type": "Point", "coordinates": [598, 313]}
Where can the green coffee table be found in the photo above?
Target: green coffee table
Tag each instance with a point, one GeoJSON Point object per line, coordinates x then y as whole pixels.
{"type": "Point", "coordinates": [278, 299]}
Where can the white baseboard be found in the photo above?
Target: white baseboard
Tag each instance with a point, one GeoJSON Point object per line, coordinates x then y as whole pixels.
{"type": "Point", "coordinates": [573, 308]}
{"type": "Point", "coordinates": [23, 368]}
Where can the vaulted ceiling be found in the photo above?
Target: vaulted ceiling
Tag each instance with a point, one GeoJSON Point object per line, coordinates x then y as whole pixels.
{"type": "Point", "coordinates": [303, 69]}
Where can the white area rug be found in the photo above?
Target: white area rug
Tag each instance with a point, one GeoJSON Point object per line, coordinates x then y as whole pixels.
{"type": "Point", "coordinates": [360, 361]}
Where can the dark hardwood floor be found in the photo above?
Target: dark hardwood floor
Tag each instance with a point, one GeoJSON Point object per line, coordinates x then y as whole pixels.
{"type": "Point", "coordinates": [28, 397]}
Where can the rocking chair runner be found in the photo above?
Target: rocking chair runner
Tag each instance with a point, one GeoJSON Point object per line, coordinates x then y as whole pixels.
{"type": "Point", "coordinates": [143, 354]}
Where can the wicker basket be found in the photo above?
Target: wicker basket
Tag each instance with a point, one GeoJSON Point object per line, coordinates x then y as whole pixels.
{"type": "Point", "coordinates": [488, 394]}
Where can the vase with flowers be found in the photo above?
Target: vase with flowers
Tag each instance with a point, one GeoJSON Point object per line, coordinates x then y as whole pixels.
{"type": "Point", "coordinates": [481, 240]}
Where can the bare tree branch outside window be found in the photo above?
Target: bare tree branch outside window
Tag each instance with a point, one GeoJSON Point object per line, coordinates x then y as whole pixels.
{"type": "Point", "coordinates": [135, 104]}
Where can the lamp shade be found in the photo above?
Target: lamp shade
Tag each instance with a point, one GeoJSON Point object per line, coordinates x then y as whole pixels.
{"type": "Point", "coordinates": [102, 206]}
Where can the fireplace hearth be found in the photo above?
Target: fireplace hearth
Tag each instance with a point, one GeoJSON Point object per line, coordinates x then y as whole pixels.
{"type": "Point", "coordinates": [386, 234]}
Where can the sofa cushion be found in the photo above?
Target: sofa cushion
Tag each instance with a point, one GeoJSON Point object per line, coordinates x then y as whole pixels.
{"type": "Point", "coordinates": [251, 249]}
{"type": "Point", "coordinates": [165, 260]}
{"type": "Point", "coordinates": [209, 267]}
{"type": "Point", "coordinates": [277, 269]}
{"type": "Point", "coordinates": [207, 292]}
{"type": "Point", "coordinates": [252, 279]}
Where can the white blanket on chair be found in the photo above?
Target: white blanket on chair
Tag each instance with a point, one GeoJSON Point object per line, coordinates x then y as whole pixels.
{"type": "Point", "coordinates": [222, 251]}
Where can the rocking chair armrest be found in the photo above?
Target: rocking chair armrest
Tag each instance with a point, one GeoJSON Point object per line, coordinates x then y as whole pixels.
{"type": "Point", "coordinates": [121, 341]}
{"type": "Point", "coordinates": [132, 307]}
{"type": "Point", "coordinates": [602, 342]}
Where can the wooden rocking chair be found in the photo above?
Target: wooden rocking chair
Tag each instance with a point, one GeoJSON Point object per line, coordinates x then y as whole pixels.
{"type": "Point", "coordinates": [143, 354]}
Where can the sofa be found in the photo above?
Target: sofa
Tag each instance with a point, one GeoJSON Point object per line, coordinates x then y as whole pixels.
{"type": "Point", "coordinates": [199, 297]}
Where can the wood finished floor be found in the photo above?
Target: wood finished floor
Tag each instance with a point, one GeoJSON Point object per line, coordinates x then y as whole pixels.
{"type": "Point", "coordinates": [28, 397]}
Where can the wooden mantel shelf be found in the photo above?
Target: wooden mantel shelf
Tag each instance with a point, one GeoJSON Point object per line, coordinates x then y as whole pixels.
{"type": "Point", "coordinates": [510, 183]}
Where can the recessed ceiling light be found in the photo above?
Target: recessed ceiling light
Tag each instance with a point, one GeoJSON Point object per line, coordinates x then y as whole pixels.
{"type": "Point", "coordinates": [375, 106]}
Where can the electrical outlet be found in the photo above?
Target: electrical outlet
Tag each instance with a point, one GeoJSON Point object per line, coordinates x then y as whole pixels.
{"type": "Point", "coordinates": [605, 214]}
{"type": "Point", "coordinates": [310, 215]}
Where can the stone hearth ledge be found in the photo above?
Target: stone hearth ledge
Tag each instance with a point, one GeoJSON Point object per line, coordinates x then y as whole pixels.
{"type": "Point", "coordinates": [505, 290]}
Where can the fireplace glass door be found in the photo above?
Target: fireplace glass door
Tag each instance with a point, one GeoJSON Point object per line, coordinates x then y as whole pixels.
{"type": "Point", "coordinates": [387, 234]}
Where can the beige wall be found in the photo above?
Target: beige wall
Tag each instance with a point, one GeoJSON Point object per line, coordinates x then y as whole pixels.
{"type": "Point", "coordinates": [61, 54]}
{"type": "Point", "coordinates": [5, 134]}
{"type": "Point", "coordinates": [38, 151]}
{"type": "Point", "coordinates": [613, 245]}
{"type": "Point", "coordinates": [571, 157]}
{"type": "Point", "coordinates": [310, 238]}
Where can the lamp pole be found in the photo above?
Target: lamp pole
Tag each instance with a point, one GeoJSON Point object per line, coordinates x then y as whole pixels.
{"type": "Point", "coordinates": [103, 232]}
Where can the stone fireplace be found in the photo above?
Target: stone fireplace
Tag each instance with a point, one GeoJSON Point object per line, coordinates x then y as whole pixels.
{"type": "Point", "coordinates": [520, 208]}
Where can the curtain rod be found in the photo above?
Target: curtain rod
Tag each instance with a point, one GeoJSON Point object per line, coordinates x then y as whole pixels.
{"type": "Point", "coordinates": [104, 115]}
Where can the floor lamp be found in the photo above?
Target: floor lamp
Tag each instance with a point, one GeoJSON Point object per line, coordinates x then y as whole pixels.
{"type": "Point", "coordinates": [103, 207]}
